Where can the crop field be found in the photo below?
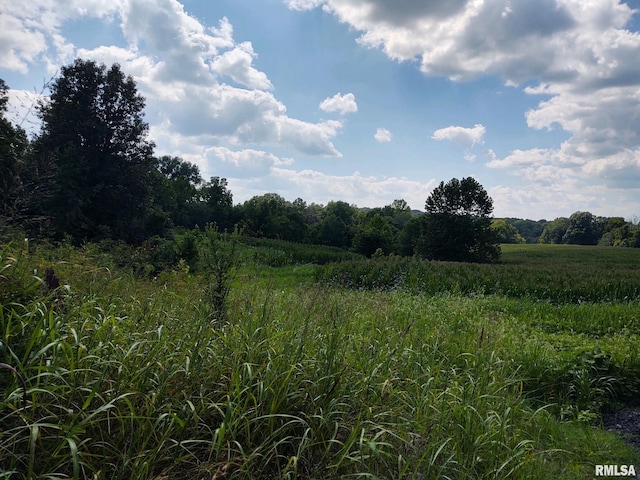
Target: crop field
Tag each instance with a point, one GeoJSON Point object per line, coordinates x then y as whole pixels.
{"type": "Point", "coordinates": [555, 273]}
{"type": "Point", "coordinates": [384, 369]}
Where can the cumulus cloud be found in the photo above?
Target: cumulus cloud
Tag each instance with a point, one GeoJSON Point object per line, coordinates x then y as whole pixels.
{"type": "Point", "coordinates": [182, 79]}
{"type": "Point", "coordinates": [383, 135]}
{"type": "Point", "coordinates": [340, 103]}
{"type": "Point", "coordinates": [462, 135]}
{"type": "Point", "coordinates": [530, 202]}
{"type": "Point", "coordinates": [520, 158]}
{"type": "Point", "coordinates": [18, 46]}
{"type": "Point", "coordinates": [356, 188]}
{"type": "Point", "coordinates": [236, 64]}
{"type": "Point", "coordinates": [584, 61]}
{"type": "Point", "coordinates": [464, 38]}
{"type": "Point", "coordinates": [303, 4]}
{"type": "Point", "coordinates": [196, 79]}
{"type": "Point", "coordinates": [246, 163]}
{"type": "Point", "coordinates": [30, 31]}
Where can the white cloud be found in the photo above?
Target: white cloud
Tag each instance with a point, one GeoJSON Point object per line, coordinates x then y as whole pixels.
{"type": "Point", "coordinates": [236, 64]}
{"type": "Point", "coordinates": [383, 135]}
{"type": "Point", "coordinates": [371, 191]}
{"type": "Point", "coordinates": [30, 30]}
{"type": "Point", "coordinates": [577, 52]}
{"type": "Point", "coordinates": [18, 45]}
{"type": "Point", "coordinates": [22, 109]}
{"type": "Point", "coordinates": [303, 4]}
{"type": "Point", "coordinates": [181, 82]}
{"type": "Point", "coordinates": [310, 138]}
{"type": "Point", "coordinates": [340, 103]}
{"type": "Point", "coordinates": [521, 158]}
{"type": "Point", "coordinates": [462, 135]}
{"type": "Point", "coordinates": [245, 163]}
{"type": "Point", "coordinates": [179, 66]}
{"type": "Point", "coordinates": [530, 202]}
{"type": "Point", "coordinates": [240, 117]}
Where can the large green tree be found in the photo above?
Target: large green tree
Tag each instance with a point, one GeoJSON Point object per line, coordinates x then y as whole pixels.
{"type": "Point", "coordinates": [458, 223]}
{"type": "Point", "coordinates": [271, 216]}
{"type": "Point", "coordinates": [176, 190]}
{"type": "Point", "coordinates": [554, 231]}
{"type": "Point", "coordinates": [215, 204]}
{"type": "Point", "coordinates": [93, 128]}
{"type": "Point", "coordinates": [376, 232]}
{"type": "Point", "coordinates": [506, 232]}
{"type": "Point", "coordinates": [584, 229]}
{"type": "Point", "coordinates": [336, 228]}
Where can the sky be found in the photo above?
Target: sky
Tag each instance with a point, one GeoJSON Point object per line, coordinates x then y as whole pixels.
{"type": "Point", "coordinates": [366, 101]}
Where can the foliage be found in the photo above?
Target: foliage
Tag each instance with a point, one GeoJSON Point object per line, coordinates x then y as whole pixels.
{"type": "Point", "coordinates": [409, 236]}
{"type": "Point", "coordinates": [127, 379]}
{"type": "Point", "coordinates": [271, 216]}
{"type": "Point", "coordinates": [506, 232]}
{"type": "Point", "coordinates": [559, 275]}
{"type": "Point", "coordinates": [584, 229]}
{"type": "Point", "coordinates": [215, 204]}
{"type": "Point", "coordinates": [458, 223]}
{"type": "Point", "coordinates": [218, 259]}
{"type": "Point", "coordinates": [337, 227]}
{"type": "Point", "coordinates": [93, 127]}
{"type": "Point", "coordinates": [554, 231]}
{"type": "Point", "coordinates": [529, 229]}
{"type": "Point", "coordinates": [13, 147]}
{"type": "Point", "coordinates": [375, 234]}
{"type": "Point", "coordinates": [280, 253]}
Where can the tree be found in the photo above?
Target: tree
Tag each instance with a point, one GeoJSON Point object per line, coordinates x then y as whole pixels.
{"type": "Point", "coordinates": [529, 229]}
{"type": "Point", "coordinates": [375, 233]}
{"type": "Point", "coordinates": [13, 146]}
{"type": "Point", "coordinates": [8, 160]}
{"type": "Point", "coordinates": [400, 204]}
{"type": "Point", "coordinates": [554, 231]}
{"type": "Point", "coordinates": [93, 127]}
{"type": "Point", "coordinates": [458, 223]}
{"type": "Point", "coordinates": [176, 190]}
{"type": "Point", "coordinates": [506, 232]}
{"type": "Point", "coordinates": [336, 228]}
{"type": "Point", "coordinates": [583, 229]}
{"type": "Point", "coordinates": [271, 216]}
{"type": "Point", "coordinates": [409, 238]}
{"type": "Point", "coordinates": [216, 204]}
{"type": "Point", "coordinates": [618, 233]}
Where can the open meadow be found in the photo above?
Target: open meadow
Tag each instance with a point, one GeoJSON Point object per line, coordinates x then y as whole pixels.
{"type": "Point", "coordinates": [388, 368]}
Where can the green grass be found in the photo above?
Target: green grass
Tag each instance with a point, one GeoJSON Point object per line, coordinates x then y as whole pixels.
{"type": "Point", "coordinates": [555, 273]}
{"type": "Point", "coordinates": [127, 377]}
{"type": "Point", "coordinates": [280, 253]}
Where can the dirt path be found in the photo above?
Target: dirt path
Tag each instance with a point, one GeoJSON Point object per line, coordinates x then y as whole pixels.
{"type": "Point", "coordinates": [626, 423]}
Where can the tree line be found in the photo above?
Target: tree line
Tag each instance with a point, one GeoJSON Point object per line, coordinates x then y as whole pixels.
{"type": "Point", "coordinates": [91, 174]}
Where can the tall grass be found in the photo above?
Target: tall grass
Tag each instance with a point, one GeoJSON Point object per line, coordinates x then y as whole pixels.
{"type": "Point", "coordinates": [126, 377]}
{"type": "Point", "coordinates": [280, 253]}
{"type": "Point", "coordinates": [563, 274]}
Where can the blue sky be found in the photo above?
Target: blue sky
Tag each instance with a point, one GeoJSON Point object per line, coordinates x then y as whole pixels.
{"type": "Point", "coordinates": [367, 101]}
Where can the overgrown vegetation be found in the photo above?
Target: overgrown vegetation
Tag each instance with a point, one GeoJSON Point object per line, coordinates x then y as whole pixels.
{"type": "Point", "coordinates": [559, 274]}
{"type": "Point", "coordinates": [166, 333]}
{"type": "Point", "coordinates": [126, 375]}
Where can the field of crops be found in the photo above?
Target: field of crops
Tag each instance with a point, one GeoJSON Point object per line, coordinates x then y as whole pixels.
{"type": "Point", "coordinates": [555, 273]}
{"type": "Point", "coordinates": [386, 368]}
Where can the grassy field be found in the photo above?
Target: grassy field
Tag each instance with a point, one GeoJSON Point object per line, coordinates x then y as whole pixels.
{"type": "Point", "coordinates": [500, 372]}
{"type": "Point", "coordinates": [554, 273]}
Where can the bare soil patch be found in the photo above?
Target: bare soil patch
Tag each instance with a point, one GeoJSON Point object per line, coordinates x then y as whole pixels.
{"type": "Point", "coordinates": [626, 423]}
